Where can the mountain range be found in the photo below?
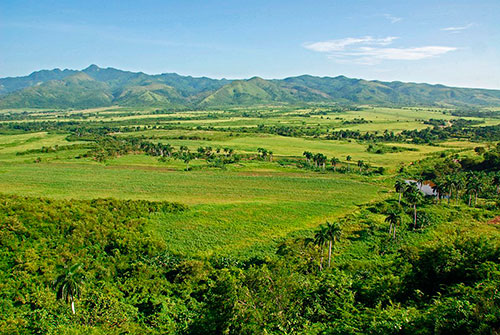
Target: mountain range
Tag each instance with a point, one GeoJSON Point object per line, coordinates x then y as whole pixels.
{"type": "Point", "coordinates": [99, 87]}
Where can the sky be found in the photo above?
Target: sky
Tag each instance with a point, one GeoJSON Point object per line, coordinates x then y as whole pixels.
{"type": "Point", "coordinates": [455, 43]}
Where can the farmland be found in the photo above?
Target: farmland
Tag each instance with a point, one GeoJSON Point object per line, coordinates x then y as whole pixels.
{"type": "Point", "coordinates": [175, 218]}
{"type": "Point", "coordinates": [238, 209]}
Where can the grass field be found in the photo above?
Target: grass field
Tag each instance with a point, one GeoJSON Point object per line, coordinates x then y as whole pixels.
{"type": "Point", "coordinates": [228, 210]}
{"type": "Point", "coordinates": [243, 209]}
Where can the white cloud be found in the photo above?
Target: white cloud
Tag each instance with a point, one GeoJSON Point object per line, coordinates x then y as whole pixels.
{"type": "Point", "coordinates": [393, 19]}
{"type": "Point", "coordinates": [458, 29]}
{"type": "Point", "coordinates": [368, 50]}
{"type": "Point", "coordinates": [404, 53]}
{"type": "Point", "coordinates": [341, 44]}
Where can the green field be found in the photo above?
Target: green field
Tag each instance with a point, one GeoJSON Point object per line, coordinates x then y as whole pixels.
{"type": "Point", "coordinates": [246, 207]}
{"type": "Point", "coordinates": [182, 221]}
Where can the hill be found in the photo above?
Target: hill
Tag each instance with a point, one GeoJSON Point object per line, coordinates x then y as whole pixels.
{"type": "Point", "coordinates": [96, 87]}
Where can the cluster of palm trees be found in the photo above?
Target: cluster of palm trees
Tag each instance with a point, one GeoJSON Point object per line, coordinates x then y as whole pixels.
{"type": "Point", "coordinates": [184, 154]}
{"type": "Point", "coordinates": [460, 184]}
{"type": "Point", "coordinates": [327, 235]}
{"type": "Point", "coordinates": [412, 193]}
{"type": "Point", "coordinates": [111, 146]}
{"type": "Point", "coordinates": [319, 160]}
{"type": "Point", "coordinates": [265, 154]}
{"type": "Point", "coordinates": [464, 185]}
{"type": "Point", "coordinates": [209, 152]}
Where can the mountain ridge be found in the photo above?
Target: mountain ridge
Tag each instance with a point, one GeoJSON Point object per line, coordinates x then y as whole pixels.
{"type": "Point", "coordinates": [100, 87]}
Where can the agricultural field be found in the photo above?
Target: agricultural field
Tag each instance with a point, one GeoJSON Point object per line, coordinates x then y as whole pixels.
{"type": "Point", "coordinates": [188, 222]}
{"type": "Point", "coordinates": [245, 207]}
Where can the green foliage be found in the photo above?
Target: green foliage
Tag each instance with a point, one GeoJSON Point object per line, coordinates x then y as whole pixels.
{"type": "Point", "coordinates": [236, 261]}
{"type": "Point", "coordinates": [419, 282]}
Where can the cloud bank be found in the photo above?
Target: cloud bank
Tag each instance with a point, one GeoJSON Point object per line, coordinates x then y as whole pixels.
{"type": "Point", "coordinates": [370, 50]}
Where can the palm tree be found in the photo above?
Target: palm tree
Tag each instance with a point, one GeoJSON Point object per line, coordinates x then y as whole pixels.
{"type": "Point", "coordinates": [393, 218]}
{"type": "Point", "coordinates": [262, 152]}
{"type": "Point", "coordinates": [479, 186]}
{"type": "Point", "coordinates": [400, 186]}
{"type": "Point", "coordinates": [449, 184]}
{"type": "Point", "coordinates": [169, 149]}
{"type": "Point", "coordinates": [334, 161]}
{"type": "Point", "coordinates": [333, 232]}
{"type": "Point", "coordinates": [360, 165]}
{"type": "Point", "coordinates": [320, 239]}
{"type": "Point", "coordinates": [469, 189]}
{"type": "Point", "coordinates": [308, 156]}
{"type": "Point", "coordinates": [414, 196]}
{"type": "Point", "coordinates": [320, 160]}
{"type": "Point", "coordinates": [68, 284]}
{"type": "Point", "coordinates": [439, 189]}
{"type": "Point", "coordinates": [459, 185]}
{"type": "Point", "coordinates": [187, 157]}
{"type": "Point", "coordinates": [474, 186]}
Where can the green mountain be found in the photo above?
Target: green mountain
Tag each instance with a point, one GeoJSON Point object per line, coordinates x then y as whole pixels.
{"type": "Point", "coordinates": [76, 90]}
{"type": "Point", "coordinates": [11, 84]}
{"type": "Point", "coordinates": [148, 94]}
{"type": "Point", "coordinates": [95, 87]}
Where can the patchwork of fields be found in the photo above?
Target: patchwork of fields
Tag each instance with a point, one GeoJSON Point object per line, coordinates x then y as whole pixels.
{"type": "Point", "coordinates": [244, 207]}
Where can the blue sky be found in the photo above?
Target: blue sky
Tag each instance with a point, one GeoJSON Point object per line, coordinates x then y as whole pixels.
{"type": "Point", "coordinates": [450, 42]}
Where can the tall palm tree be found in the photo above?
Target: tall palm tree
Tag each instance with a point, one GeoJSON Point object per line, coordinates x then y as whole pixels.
{"type": "Point", "coordinates": [393, 218]}
{"type": "Point", "coordinates": [449, 184]}
{"type": "Point", "coordinates": [187, 157]}
{"type": "Point", "coordinates": [264, 153]}
{"type": "Point", "coordinates": [459, 185]}
{"type": "Point", "coordinates": [333, 233]}
{"type": "Point", "coordinates": [68, 284]}
{"type": "Point", "coordinates": [308, 156]}
{"type": "Point", "coordinates": [400, 186]}
{"type": "Point", "coordinates": [439, 189]}
{"type": "Point", "coordinates": [320, 239]}
{"type": "Point", "coordinates": [360, 165]}
{"type": "Point", "coordinates": [469, 189]}
{"type": "Point", "coordinates": [169, 149]}
{"type": "Point", "coordinates": [320, 160]}
{"type": "Point", "coordinates": [414, 196]}
{"type": "Point", "coordinates": [334, 161]}
{"type": "Point", "coordinates": [472, 186]}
